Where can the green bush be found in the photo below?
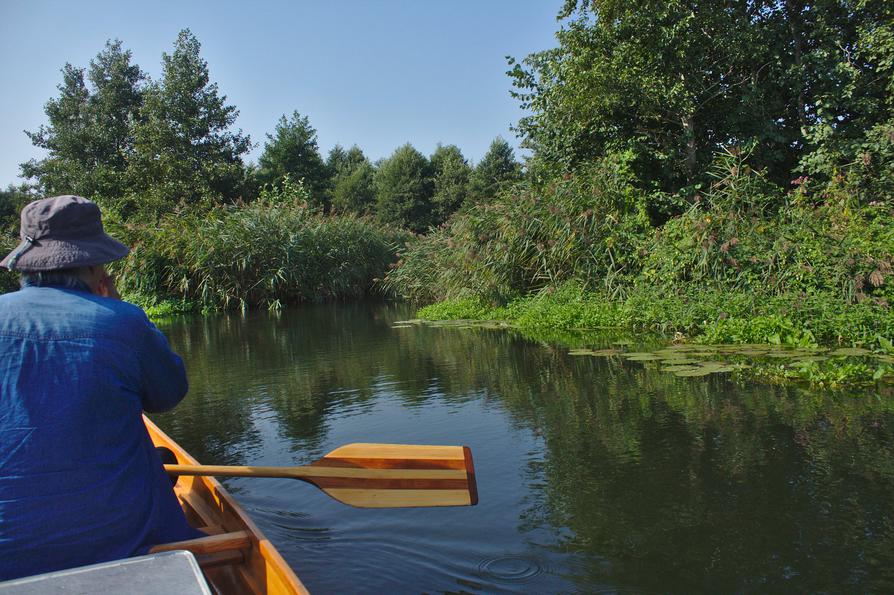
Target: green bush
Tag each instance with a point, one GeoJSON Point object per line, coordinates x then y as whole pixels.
{"type": "Point", "coordinates": [586, 228]}
{"type": "Point", "coordinates": [458, 309]}
{"type": "Point", "coordinates": [746, 234]}
{"type": "Point", "coordinates": [269, 253]}
{"type": "Point", "coordinates": [746, 262]}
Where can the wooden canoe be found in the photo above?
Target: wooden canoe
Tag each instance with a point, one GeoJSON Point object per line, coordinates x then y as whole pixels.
{"type": "Point", "coordinates": [236, 557]}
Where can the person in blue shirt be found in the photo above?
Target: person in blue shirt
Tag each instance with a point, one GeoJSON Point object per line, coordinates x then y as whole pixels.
{"type": "Point", "coordinates": [80, 480]}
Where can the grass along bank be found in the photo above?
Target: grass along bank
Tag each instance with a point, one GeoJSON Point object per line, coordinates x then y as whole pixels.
{"type": "Point", "coordinates": [808, 323]}
{"type": "Point", "coordinates": [735, 258]}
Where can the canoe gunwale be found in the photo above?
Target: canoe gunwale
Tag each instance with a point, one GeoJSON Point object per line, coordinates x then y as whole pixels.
{"type": "Point", "coordinates": [264, 571]}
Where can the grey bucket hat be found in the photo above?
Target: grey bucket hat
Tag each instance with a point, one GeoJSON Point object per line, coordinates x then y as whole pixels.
{"type": "Point", "coordinates": [62, 232]}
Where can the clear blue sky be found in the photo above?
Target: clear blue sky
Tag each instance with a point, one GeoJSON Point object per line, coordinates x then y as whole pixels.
{"type": "Point", "coordinates": [376, 73]}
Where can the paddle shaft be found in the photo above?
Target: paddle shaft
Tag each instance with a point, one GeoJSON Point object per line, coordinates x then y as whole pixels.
{"type": "Point", "coordinates": [310, 472]}
{"type": "Point", "coordinates": [374, 475]}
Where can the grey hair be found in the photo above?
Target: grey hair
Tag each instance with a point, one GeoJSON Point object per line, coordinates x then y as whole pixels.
{"type": "Point", "coordinates": [67, 278]}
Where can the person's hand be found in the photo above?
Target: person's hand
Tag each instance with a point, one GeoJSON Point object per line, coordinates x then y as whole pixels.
{"type": "Point", "coordinates": [107, 287]}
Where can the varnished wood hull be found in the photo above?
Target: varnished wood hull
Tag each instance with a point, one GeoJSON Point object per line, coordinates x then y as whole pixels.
{"type": "Point", "coordinates": [245, 563]}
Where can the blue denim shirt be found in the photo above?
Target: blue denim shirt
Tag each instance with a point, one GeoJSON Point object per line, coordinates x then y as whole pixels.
{"type": "Point", "coordinates": [80, 481]}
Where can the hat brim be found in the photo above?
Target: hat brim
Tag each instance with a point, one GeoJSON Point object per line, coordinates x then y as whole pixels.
{"type": "Point", "coordinates": [51, 255]}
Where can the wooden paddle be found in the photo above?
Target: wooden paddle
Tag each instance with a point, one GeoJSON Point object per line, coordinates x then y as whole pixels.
{"type": "Point", "coordinates": [375, 475]}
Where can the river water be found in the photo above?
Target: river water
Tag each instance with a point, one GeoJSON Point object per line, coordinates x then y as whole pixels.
{"type": "Point", "coordinates": [594, 474]}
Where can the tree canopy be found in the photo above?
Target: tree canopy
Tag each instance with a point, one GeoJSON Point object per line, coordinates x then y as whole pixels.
{"type": "Point", "coordinates": [404, 189]}
{"type": "Point", "coordinates": [676, 82]}
{"type": "Point", "coordinates": [89, 138]}
{"type": "Point", "coordinates": [496, 168]}
{"type": "Point", "coordinates": [451, 181]}
{"type": "Point", "coordinates": [185, 152]}
{"type": "Point", "coordinates": [292, 151]}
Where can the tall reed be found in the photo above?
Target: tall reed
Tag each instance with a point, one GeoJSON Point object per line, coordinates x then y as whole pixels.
{"type": "Point", "coordinates": [269, 253]}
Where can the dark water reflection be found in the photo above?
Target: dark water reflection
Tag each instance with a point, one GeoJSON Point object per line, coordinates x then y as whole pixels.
{"type": "Point", "coordinates": [594, 474]}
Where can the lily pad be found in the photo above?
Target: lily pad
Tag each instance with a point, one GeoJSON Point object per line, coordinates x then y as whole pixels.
{"type": "Point", "coordinates": [683, 361]}
{"type": "Point", "coordinates": [810, 358]}
{"type": "Point", "coordinates": [623, 342]}
{"type": "Point", "coordinates": [713, 364]}
{"type": "Point", "coordinates": [692, 373]}
{"type": "Point", "coordinates": [801, 364]}
{"type": "Point", "coordinates": [581, 352]}
{"type": "Point", "coordinates": [642, 357]}
{"type": "Point", "coordinates": [605, 352]}
{"type": "Point", "coordinates": [669, 354]}
{"type": "Point", "coordinates": [678, 368]}
{"type": "Point", "coordinates": [850, 351]}
{"type": "Point", "coordinates": [750, 352]}
{"type": "Point", "coordinates": [888, 359]}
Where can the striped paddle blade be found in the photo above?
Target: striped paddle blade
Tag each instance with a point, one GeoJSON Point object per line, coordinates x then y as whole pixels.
{"type": "Point", "coordinates": [396, 475]}
{"type": "Point", "coordinates": [375, 475]}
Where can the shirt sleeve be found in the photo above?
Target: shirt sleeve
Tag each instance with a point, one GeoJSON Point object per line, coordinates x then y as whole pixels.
{"type": "Point", "coordinates": [164, 382]}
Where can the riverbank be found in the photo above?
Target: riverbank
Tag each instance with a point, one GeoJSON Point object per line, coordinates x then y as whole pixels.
{"type": "Point", "coordinates": [706, 317]}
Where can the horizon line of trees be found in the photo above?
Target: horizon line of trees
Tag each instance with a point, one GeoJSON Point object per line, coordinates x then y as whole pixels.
{"type": "Point", "coordinates": [144, 148]}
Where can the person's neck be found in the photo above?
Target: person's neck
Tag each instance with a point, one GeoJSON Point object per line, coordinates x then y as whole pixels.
{"type": "Point", "coordinates": [68, 283]}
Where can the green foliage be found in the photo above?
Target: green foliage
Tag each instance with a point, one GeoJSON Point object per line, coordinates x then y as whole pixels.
{"type": "Point", "coordinates": [712, 317]}
{"type": "Point", "coordinates": [184, 152]}
{"type": "Point", "coordinates": [158, 310]}
{"type": "Point", "coordinates": [821, 241]}
{"type": "Point", "coordinates": [270, 253]}
{"type": "Point", "coordinates": [586, 227]}
{"type": "Point", "coordinates": [355, 191]}
{"type": "Point", "coordinates": [11, 202]}
{"type": "Point", "coordinates": [497, 169]}
{"type": "Point", "coordinates": [458, 309]}
{"type": "Point", "coordinates": [292, 151]}
{"type": "Point", "coordinates": [676, 82]}
{"type": "Point", "coordinates": [353, 181]}
{"type": "Point", "coordinates": [451, 182]}
{"type": "Point", "coordinates": [834, 374]}
{"type": "Point", "coordinates": [89, 138]}
{"type": "Point", "coordinates": [774, 329]}
{"type": "Point", "coordinates": [664, 80]}
{"type": "Point", "coordinates": [852, 133]}
{"type": "Point", "coordinates": [340, 162]}
{"type": "Point", "coordinates": [404, 189]}
{"type": "Point", "coordinates": [567, 308]}
{"type": "Point", "coordinates": [141, 149]}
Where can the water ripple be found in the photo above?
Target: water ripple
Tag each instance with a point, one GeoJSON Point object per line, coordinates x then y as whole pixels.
{"type": "Point", "coordinates": [510, 569]}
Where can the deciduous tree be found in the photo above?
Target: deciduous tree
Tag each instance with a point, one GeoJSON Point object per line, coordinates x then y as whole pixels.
{"type": "Point", "coordinates": [89, 137]}
{"type": "Point", "coordinates": [185, 151]}
{"type": "Point", "coordinates": [497, 168]}
{"type": "Point", "coordinates": [451, 181]}
{"type": "Point", "coordinates": [404, 189]}
{"type": "Point", "coordinates": [292, 150]}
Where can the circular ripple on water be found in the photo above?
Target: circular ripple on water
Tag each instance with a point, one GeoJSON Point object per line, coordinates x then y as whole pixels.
{"type": "Point", "coordinates": [513, 569]}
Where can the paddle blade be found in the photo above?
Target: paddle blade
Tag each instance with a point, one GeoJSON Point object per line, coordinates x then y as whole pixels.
{"type": "Point", "coordinates": [396, 475]}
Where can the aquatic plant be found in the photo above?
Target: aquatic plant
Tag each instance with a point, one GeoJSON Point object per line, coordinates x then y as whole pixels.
{"type": "Point", "coordinates": [269, 253]}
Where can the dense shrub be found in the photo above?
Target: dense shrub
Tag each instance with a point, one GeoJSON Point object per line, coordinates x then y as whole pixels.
{"type": "Point", "coordinates": [587, 227]}
{"type": "Point", "coordinates": [746, 234]}
{"type": "Point", "coordinates": [747, 261]}
{"type": "Point", "coordinates": [12, 200]}
{"type": "Point", "coordinates": [269, 253]}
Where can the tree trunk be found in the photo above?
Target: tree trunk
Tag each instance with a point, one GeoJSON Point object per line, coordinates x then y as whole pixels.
{"type": "Point", "coordinates": [793, 14]}
{"type": "Point", "coordinates": [689, 133]}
